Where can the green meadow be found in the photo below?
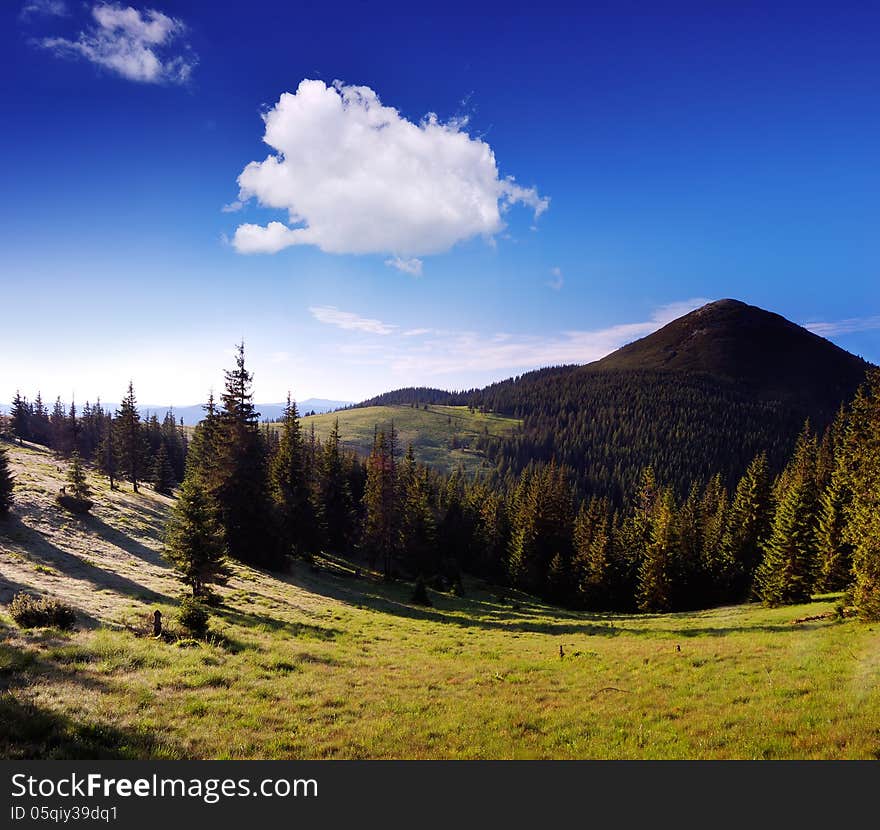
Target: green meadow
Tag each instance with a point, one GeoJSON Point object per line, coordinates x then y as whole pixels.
{"type": "Point", "coordinates": [329, 661]}
{"type": "Point", "coordinates": [442, 436]}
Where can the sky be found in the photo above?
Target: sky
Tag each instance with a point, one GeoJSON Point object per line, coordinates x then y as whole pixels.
{"type": "Point", "coordinates": [373, 195]}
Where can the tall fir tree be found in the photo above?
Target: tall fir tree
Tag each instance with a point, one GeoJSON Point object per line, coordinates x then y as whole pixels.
{"type": "Point", "coordinates": [657, 565]}
{"type": "Point", "coordinates": [194, 543]}
{"type": "Point", "coordinates": [129, 439]}
{"type": "Point", "coordinates": [334, 494]}
{"type": "Point", "coordinates": [788, 570]}
{"type": "Point", "coordinates": [291, 489]}
{"type": "Point", "coordinates": [241, 486]}
{"type": "Point", "coordinates": [862, 457]}
{"type": "Point", "coordinates": [21, 416]}
{"type": "Point", "coordinates": [418, 526]}
{"type": "Point", "coordinates": [163, 473]}
{"type": "Point", "coordinates": [748, 527]}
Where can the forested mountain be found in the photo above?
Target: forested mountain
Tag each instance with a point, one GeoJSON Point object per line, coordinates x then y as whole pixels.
{"type": "Point", "coordinates": [700, 396]}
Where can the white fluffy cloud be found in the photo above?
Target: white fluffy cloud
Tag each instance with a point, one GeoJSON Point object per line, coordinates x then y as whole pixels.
{"type": "Point", "coordinates": [356, 177]}
{"type": "Point", "coordinates": [136, 45]}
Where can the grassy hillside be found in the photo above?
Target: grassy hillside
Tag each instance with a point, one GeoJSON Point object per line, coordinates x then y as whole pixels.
{"type": "Point", "coordinates": [334, 663]}
{"type": "Point", "coordinates": [442, 436]}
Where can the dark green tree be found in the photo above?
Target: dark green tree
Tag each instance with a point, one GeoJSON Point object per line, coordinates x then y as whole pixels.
{"type": "Point", "coordinates": [129, 439]}
{"type": "Point", "coordinates": [240, 482]}
{"type": "Point", "coordinates": [291, 488]}
{"type": "Point", "coordinates": [163, 473]}
{"type": "Point", "coordinates": [787, 572]}
{"type": "Point", "coordinates": [6, 483]}
{"type": "Point", "coordinates": [862, 458]}
{"type": "Point", "coordinates": [194, 543]}
{"type": "Point", "coordinates": [336, 506]}
{"type": "Point", "coordinates": [748, 527]}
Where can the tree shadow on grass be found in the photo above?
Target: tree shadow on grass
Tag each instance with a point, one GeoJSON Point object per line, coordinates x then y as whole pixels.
{"type": "Point", "coordinates": [120, 539]}
{"type": "Point", "coordinates": [43, 552]}
{"type": "Point", "coordinates": [31, 731]}
{"type": "Point", "coordinates": [390, 598]}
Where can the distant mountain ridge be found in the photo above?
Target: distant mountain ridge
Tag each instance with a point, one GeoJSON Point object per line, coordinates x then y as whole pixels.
{"type": "Point", "coordinates": [193, 414]}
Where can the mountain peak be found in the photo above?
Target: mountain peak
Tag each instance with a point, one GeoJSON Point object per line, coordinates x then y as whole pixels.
{"type": "Point", "coordinates": [757, 349]}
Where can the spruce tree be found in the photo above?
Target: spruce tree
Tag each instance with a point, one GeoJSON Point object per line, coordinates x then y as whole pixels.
{"type": "Point", "coordinates": [21, 416]}
{"type": "Point", "coordinates": [129, 439]}
{"type": "Point", "coordinates": [748, 526]}
{"type": "Point", "coordinates": [6, 483]}
{"type": "Point", "coordinates": [76, 494]}
{"type": "Point", "coordinates": [418, 527]}
{"type": "Point", "coordinates": [334, 494]}
{"type": "Point", "coordinates": [291, 491]}
{"type": "Point", "coordinates": [163, 473]}
{"type": "Point", "coordinates": [862, 457]}
{"type": "Point", "coordinates": [656, 568]}
{"type": "Point", "coordinates": [194, 542]}
{"type": "Point", "coordinates": [380, 504]}
{"type": "Point", "coordinates": [788, 570]}
{"type": "Point", "coordinates": [240, 477]}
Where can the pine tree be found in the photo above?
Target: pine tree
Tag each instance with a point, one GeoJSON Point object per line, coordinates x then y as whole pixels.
{"type": "Point", "coordinates": [240, 483]}
{"type": "Point", "coordinates": [194, 543]}
{"type": "Point", "coordinates": [76, 494]}
{"type": "Point", "coordinates": [591, 563]}
{"type": "Point", "coordinates": [418, 527]}
{"type": "Point", "coordinates": [788, 570]}
{"type": "Point", "coordinates": [129, 439]}
{"type": "Point", "coordinates": [6, 483]}
{"type": "Point", "coordinates": [107, 452]}
{"type": "Point", "coordinates": [748, 526]}
{"type": "Point", "coordinates": [163, 474]}
{"type": "Point", "coordinates": [833, 545]}
{"type": "Point", "coordinates": [380, 503]}
{"type": "Point", "coordinates": [655, 572]}
{"type": "Point", "coordinates": [334, 495]}
{"type": "Point", "coordinates": [862, 458]}
{"type": "Point", "coordinates": [21, 416]}
{"type": "Point", "coordinates": [290, 487]}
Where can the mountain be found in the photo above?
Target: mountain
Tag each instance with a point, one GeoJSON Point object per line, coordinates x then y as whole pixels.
{"type": "Point", "coordinates": [700, 396]}
{"type": "Point", "coordinates": [268, 411]}
{"type": "Point", "coordinates": [759, 350]}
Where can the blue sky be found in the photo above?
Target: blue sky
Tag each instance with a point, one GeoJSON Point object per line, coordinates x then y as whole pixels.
{"type": "Point", "coordinates": [661, 157]}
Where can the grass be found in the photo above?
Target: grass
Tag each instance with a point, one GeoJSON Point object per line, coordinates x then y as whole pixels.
{"type": "Point", "coordinates": [443, 436]}
{"type": "Point", "coordinates": [328, 664]}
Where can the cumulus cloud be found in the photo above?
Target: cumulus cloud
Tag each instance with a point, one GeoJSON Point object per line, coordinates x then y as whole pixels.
{"type": "Point", "coordinates": [355, 177]}
{"type": "Point", "coordinates": [346, 320]}
{"type": "Point", "coordinates": [408, 266]}
{"type": "Point", "coordinates": [848, 326]}
{"type": "Point", "coordinates": [139, 46]}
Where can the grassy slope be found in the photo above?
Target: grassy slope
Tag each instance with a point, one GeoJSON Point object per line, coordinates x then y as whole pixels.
{"type": "Point", "coordinates": [431, 431]}
{"type": "Point", "coordinates": [329, 664]}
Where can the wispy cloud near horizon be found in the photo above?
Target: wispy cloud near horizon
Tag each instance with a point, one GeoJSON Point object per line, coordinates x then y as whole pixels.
{"type": "Point", "coordinates": [424, 352]}
{"type": "Point", "coordinates": [347, 320]}
{"type": "Point", "coordinates": [850, 325]}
